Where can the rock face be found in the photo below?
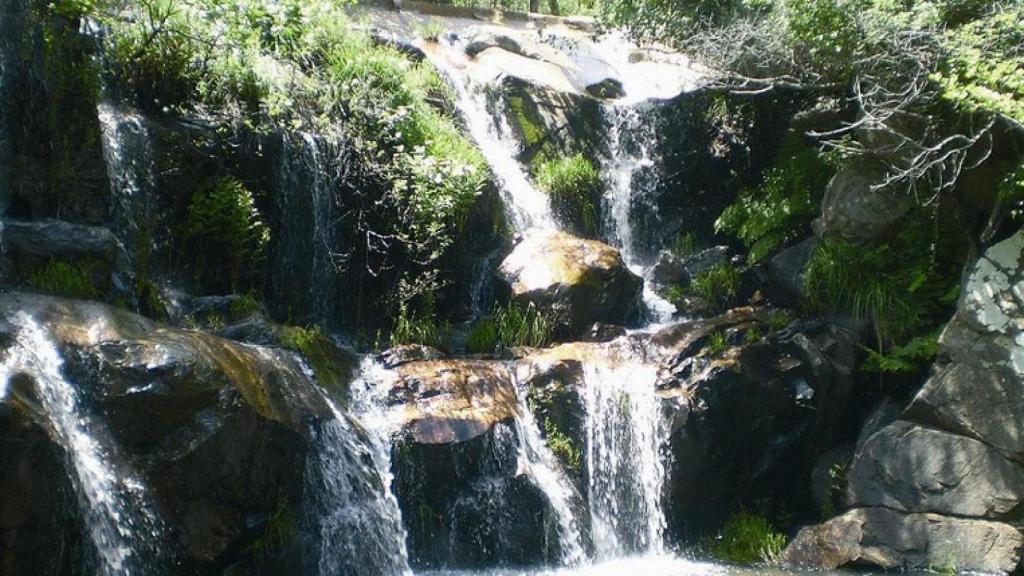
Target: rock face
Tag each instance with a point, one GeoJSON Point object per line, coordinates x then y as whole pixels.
{"type": "Point", "coordinates": [854, 209]}
{"type": "Point", "coordinates": [948, 472]}
{"type": "Point", "coordinates": [580, 281]}
{"type": "Point", "coordinates": [889, 539]}
{"type": "Point", "coordinates": [218, 431]}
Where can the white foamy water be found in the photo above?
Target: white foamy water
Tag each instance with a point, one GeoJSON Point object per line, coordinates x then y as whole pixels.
{"type": "Point", "coordinates": [113, 500]}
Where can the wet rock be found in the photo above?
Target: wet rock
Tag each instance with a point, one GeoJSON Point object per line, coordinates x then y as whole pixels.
{"type": "Point", "coordinates": [56, 238]}
{"type": "Point", "coordinates": [394, 357]}
{"type": "Point", "coordinates": [827, 478]}
{"type": "Point", "coordinates": [481, 39]}
{"type": "Point", "coordinates": [608, 89]}
{"type": "Point", "coordinates": [890, 539]}
{"type": "Point", "coordinates": [600, 332]}
{"type": "Point", "coordinates": [855, 208]}
{"type": "Point", "coordinates": [910, 468]}
{"type": "Point", "coordinates": [578, 281]}
{"type": "Point", "coordinates": [219, 430]}
{"type": "Point", "coordinates": [451, 401]}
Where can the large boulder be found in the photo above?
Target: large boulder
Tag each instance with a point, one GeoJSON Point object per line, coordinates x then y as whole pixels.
{"type": "Point", "coordinates": [911, 468]}
{"type": "Point", "coordinates": [578, 281]}
{"type": "Point", "coordinates": [56, 238]}
{"type": "Point", "coordinates": [979, 392]}
{"type": "Point", "coordinates": [225, 437]}
{"type": "Point", "coordinates": [857, 207]}
{"type": "Point", "coordinates": [891, 539]}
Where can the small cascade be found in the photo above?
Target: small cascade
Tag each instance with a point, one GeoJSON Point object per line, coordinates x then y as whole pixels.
{"type": "Point", "coordinates": [121, 521]}
{"type": "Point", "coordinates": [546, 473]}
{"type": "Point", "coordinates": [131, 169]}
{"type": "Point", "coordinates": [487, 123]}
{"type": "Point", "coordinates": [624, 460]}
{"type": "Point", "coordinates": [630, 168]}
{"type": "Point", "coordinates": [352, 522]}
{"type": "Point", "coordinates": [305, 255]}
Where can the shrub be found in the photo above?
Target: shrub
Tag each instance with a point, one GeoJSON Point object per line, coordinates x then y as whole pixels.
{"type": "Point", "coordinates": [70, 280]}
{"type": "Point", "coordinates": [746, 539]}
{"type": "Point", "coordinates": [420, 328]}
{"type": "Point", "coordinates": [483, 338]}
{"type": "Point", "coordinates": [223, 234]}
{"type": "Point", "coordinates": [719, 286]}
{"type": "Point", "coordinates": [519, 325]}
{"type": "Point", "coordinates": [782, 207]}
{"type": "Point", "coordinates": [717, 343]}
{"type": "Point", "coordinates": [563, 447]}
{"type": "Point", "coordinates": [574, 187]}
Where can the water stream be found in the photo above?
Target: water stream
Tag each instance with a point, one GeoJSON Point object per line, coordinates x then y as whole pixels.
{"type": "Point", "coordinates": [122, 524]}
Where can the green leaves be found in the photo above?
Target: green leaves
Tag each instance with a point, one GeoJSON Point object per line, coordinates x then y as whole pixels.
{"type": "Point", "coordinates": [575, 186]}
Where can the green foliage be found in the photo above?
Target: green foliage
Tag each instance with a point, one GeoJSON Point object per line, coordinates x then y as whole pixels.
{"type": "Point", "coordinates": [574, 186]}
{"type": "Point", "coordinates": [747, 538]}
{"type": "Point", "coordinates": [223, 233]}
{"type": "Point", "coordinates": [717, 343]}
{"type": "Point", "coordinates": [753, 335]}
{"type": "Point", "coordinates": [779, 319]}
{"type": "Point", "coordinates": [563, 447]}
{"type": "Point", "coordinates": [520, 325]}
{"type": "Point", "coordinates": [329, 363]}
{"type": "Point", "coordinates": [1011, 193]}
{"type": "Point", "coordinates": [684, 244]}
{"type": "Point", "coordinates": [67, 279]}
{"type": "Point", "coordinates": [984, 65]}
{"type": "Point", "coordinates": [419, 328]}
{"type": "Point", "coordinates": [719, 285]}
{"type": "Point", "coordinates": [782, 207]}
{"type": "Point", "coordinates": [280, 528]}
{"type": "Point", "coordinates": [908, 358]}
{"type": "Point", "coordinates": [824, 33]}
{"type": "Point", "coordinates": [245, 305]}
{"type": "Point", "coordinates": [483, 337]}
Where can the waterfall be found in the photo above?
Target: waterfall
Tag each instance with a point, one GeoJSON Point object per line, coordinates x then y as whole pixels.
{"type": "Point", "coordinates": [527, 206]}
{"type": "Point", "coordinates": [625, 468]}
{"type": "Point", "coordinates": [8, 34]}
{"type": "Point", "coordinates": [354, 522]}
{"type": "Point", "coordinates": [629, 167]}
{"type": "Point", "coordinates": [304, 258]}
{"type": "Point", "coordinates": [546, 473]}
{"type": "Point", "coordinates": [131, 170]}
{"type": "Point", "coordinates": [122, 523]}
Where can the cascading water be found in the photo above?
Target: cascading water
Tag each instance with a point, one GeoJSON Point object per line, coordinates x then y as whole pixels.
{"type": "Point", "coordinates": [353, 524]}
{"type": "Point", "coordinates": [527, 206]}
{"type": "Point", "coordinates": [546, 473]}
{"type": "Point", "coordinates": [122, 524]}
{"type": "Point", "coordinates": [304, 257]}
{"type": "Point", "coordinates": [625, 465]}
{"type": "Point", "coordinates": [630, 166]}
{"type": "Point", "coordinates": [7, 36]}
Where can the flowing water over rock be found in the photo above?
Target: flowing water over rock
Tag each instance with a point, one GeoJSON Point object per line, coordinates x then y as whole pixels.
{"type": "Point", "coordinates": [625, 463]}
{"type": "Point", "coordinates": [7, 36]}
{"type": "Point", "coordinates": [122, 523]}
{"type": "Point", "coordinates": [546, 473]}
{"type": "Point", "coordinates": [353, 523]}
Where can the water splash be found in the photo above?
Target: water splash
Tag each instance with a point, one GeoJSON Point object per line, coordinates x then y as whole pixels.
{"type": "Point", "coordinates": [630, 168]}
{"type": "Point", "coordinates": [626, 472]}
{"type": "Point", "coordinates": [487, 124]}
{"type": "Point", "coordinates": [354, 524]}
{"type": "Point", "coordinates": [547, 475]}
{"type": "Point", "coordinates": [121, 521]}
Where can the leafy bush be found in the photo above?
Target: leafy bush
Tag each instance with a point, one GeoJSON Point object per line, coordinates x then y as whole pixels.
{"type": "Point", "coordinates": [420, 328]}
{"type": "Point", "coordinates": [574, 186]}
{"type": "Point", "coordinates": [719, 286]}
{"type": "Point", "coordinates": [520, 325]}
{"type": "Point", "coordinates": [747, 538]}
{"type": "Point", "coordinates": [908, 358]}
{"type": "Point", "coordinates": [223, 233]}
{"type": "Point", "coordinates": [483, 338]}
{"type": "Point", "coordinates": [67, 279]}
{"type": "Point", "coordinates": [782, 207]}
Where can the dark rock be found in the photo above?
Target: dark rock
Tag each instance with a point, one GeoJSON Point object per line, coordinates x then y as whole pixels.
{"type": "Point", "coordinates": [672, 269]}
{"type": "Point", "coordinates": [56, 238]}
{"type": "Point", "coordinates": [828, 476]}
{"type": "Point", "coordinates": [913, 469]}
{"type": "Point", "coordinates": [395, 357]}
{"type": "Point", "coordinates": [890, 539]}
{"type": "Point", "coordinates": [608, 89]}
{"type": "Point", "coordinates": [786, 273]}
{"type": "Point", "coordinates": [578, 281]}
{"type": "Point", "coordinates": [600, 332]}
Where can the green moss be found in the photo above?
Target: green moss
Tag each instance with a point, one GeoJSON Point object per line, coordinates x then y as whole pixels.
{"type": "Point", "coordinates": [483, 337]}
{"type": "Point", "coordinates": [280, 529]}
{"type": "Point", "coordinates": [245, 305]}
{"type": "Point", "coordinates": [717, 343]}
{"type": "Point", "coordinates": [574, 186]}
{"type": "Point", "coordinates": [747, 538]}
{"type": "Point", "coordinates": [563, 447]}
{"type": "Point", "coordinates": [66, 279]}
{"type": "Point", "coordinates": [330, 364]}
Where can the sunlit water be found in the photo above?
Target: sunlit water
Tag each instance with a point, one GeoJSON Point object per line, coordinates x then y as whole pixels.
{"type": "Point", "coordinates": [653, 565]}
